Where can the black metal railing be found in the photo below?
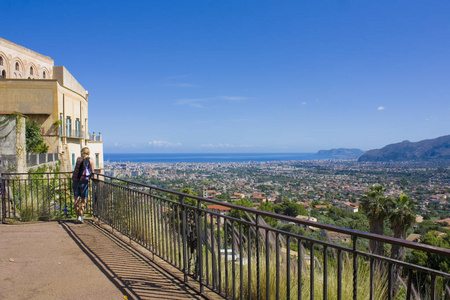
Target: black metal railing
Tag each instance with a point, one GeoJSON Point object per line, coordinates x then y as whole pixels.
{"type": "Point", "coordinates": [240, 256]}
{"type": "Point", "coordinates": [38, 196]}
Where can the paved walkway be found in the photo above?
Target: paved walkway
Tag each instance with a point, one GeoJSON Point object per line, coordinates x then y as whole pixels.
{"type": "Point", "coordinates": [65, 260]}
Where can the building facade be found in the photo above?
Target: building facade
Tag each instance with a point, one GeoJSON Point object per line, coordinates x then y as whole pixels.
{"type": "Point", "coordinates": [31, 85]}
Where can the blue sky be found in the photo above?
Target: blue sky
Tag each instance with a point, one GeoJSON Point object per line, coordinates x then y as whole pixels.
{"type": "Point", "coordinates": [248, 76]}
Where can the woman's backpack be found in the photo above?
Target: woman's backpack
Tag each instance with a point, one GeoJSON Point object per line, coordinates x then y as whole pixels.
{"type": "Point", "coordinates": [85, 172]}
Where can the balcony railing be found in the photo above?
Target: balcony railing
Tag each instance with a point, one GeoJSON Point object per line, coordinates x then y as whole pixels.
{"type": "Point", "coordinates": [95, 137]}
{"type": "Point", "coordinates": [239, 257]}
{"type": "Point", "coordinates": [43, 158]}
{"type": "Point", "coordinates": [76, 134]}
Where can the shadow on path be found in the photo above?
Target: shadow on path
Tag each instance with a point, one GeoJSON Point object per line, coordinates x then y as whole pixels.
{"type": "Point", "coordinates": [135, 275]}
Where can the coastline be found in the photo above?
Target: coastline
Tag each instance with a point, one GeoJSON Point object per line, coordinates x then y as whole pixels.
{"type": "Point", "coordinates": [209, 157]}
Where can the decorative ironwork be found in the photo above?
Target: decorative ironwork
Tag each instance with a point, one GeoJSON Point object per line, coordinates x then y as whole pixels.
{"type": "Point", "coordinates": [191, 233]}
{"type": "Point", "coordinates": [237, 258]}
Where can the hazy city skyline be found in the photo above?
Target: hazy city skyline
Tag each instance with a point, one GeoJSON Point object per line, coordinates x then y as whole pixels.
{"type": "Point", "coordinates": [248, 76]}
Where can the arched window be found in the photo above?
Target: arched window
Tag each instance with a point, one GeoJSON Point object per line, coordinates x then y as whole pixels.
{"type": "Point", "coordinates": [31, 70]}
{"type": "Point", "coordinates": [3, 74]}
{"type": "Point", "coordinates": [17, 66]}
{"type": "Point", "coordinates": [43, 75]}
{"type": "Point", "coordinates": [1, 61]}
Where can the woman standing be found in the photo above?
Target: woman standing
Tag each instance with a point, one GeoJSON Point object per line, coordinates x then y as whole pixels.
{"type": "Point", "coordinates": [80, 182]}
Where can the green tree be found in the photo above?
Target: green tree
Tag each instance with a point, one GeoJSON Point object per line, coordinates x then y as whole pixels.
{"type": "Point", "coordinates": [239, 214]}
{"type": "Point", "coordinates": [294, 229]}
{"type": "Point", "coordinates": [189, 201]}
{"type": "Point", "coordinates": [432, 261]}
{"type": "Point", "coordinates": [427, 226]}
{"type": "Point", "coordinates": [269, 207]}
{"type": "Point", "coordinates": [291, 209]}
{"type": "Point", "coordinates": [314, 203]}
{"type": "Point", "coordinates": [314, 213]}
{"type": "Point", "coordinates": [34, 140]}
{"type": "Point", "coordinates": [375, 206]}
{"type": "Point", "coordinates": [223, 197]}
{"type": "Point", "coordinates": [264, 188]}
{"type": "Point", "coordinates": [401, 218]}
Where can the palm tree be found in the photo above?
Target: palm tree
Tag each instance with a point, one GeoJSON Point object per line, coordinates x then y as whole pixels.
{"type": "Point", "coordinates": [376, 207]}
{"type": "Point", "coordinates": [401, 218]}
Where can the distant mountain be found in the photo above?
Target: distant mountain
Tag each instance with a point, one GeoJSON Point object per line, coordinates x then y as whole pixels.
{"type": "Point", "coordinates": [341, 152]}
{"type": "Point", "coordinates": [434, 149]}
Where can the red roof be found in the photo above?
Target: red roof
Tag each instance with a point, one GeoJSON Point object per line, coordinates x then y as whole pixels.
{"type": "Point", "coordinates": [218, 207]}
{"type": "Point", "coordinates": [444, 220]}
{"type": "Point", "coordinates": [321, 206]}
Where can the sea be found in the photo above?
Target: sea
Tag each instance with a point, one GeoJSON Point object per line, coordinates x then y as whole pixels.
{"type": "Point", "coordinates": [209, 157]}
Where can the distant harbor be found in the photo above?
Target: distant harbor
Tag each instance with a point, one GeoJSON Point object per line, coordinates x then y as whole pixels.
{"type": "Point", "coordinates": [209, 157]}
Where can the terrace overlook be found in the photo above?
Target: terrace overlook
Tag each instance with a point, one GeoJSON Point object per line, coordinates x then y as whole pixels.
{"type": "Point", "coordinates": [208, 253]}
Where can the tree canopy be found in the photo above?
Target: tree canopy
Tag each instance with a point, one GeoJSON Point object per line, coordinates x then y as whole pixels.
{"type": "Point", "coordinates": [239, 214]}
{"type": "Point", "coordinates": [291, 209]}
{"type": "Point", "coordinates": [34, 140]}
{"type": "Point", "coordinates": [189, 201]}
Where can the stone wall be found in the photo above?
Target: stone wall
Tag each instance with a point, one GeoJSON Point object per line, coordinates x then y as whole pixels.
{"type": "Point", "coordinates": [67, 80]}
{"type": "Point", "coordinates": [22, 63]}
{"type": "Point", "coordinates": [12, 143]}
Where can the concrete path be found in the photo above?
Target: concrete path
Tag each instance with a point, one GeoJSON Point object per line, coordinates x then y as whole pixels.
{"type": "Point", "coordinates": [65, 260]}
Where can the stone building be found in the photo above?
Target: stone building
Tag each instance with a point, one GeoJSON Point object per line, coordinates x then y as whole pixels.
{"type": "Point", "coordinates": [30, 84]}
{"type": "Point", "coordinates": [12, 143]}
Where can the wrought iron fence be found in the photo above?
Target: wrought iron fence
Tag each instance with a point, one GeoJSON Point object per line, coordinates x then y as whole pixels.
{"type": "Point", "coordinates": [240, 256]}
{"type": "Point", "coordinates": [38, 196]}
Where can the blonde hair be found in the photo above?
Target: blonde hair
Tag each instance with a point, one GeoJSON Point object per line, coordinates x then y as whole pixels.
{"type": "Point", "coordinates": [85, 152]}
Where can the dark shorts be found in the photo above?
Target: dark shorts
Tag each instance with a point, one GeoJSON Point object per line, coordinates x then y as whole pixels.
{"type": "Point", "coordinates": [80, 189]}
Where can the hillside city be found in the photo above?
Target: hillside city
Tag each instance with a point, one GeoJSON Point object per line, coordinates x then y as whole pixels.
{"type": "Point", "coordinates": [318, 186]}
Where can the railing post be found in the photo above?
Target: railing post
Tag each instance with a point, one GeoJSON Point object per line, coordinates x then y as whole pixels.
{"type": "Point", "coordinates": [184, 227]}
{"type": "Point", "coordinates": [94, 196]}
{"type": "Point", "coordinates": [258, 283]}
{"type": "Point", "coordinates": [355, 269]}
{"type": "Point", "coordinates": [311, 271]}
{"type": "Point", "coordinates": [199, 246]}
{"type": "Point", "coordinates": [3, 206]}
{"type": "Point", "coordinates": [433, 287]}
{"type": "Point", "coordinates": [409, 285]}
{"type": "Point", "coordinates": [152, 219]}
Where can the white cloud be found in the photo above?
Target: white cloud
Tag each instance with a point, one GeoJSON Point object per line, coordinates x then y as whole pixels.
{"type": "Point", "coordinates": [199, 102]}
{"type": "Point", "coordinates": [192, 102]}
{"type": "Point", "coordinates": [116, 144]}
{"type": "Point", "coordinates": [381, 108]}
{"type": "Point", "coordinates": [303, 103]}
{"type": "Point", "coordinates": [234, 98]}
{"type": "Point", "coordinates": [224, 146]}
{"type": "Point", "coordinates": [163, 144]}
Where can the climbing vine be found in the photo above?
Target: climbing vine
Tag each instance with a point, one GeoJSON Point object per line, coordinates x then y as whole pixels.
{"type": "Point", "coordinates": [7, 119]}
{"type": "Point", "coordinates": [34, 142]}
